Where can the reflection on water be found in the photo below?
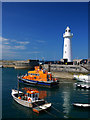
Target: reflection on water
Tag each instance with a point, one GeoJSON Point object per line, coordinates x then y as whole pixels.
{"type": "Point", "coordinates": [66, 104]}
{"type": "Point", "coordinates": [42, 93]}
{"type": "Point", "coordinates": [66, 101]}
{"type": "Point", "coordinates": [24, 110]}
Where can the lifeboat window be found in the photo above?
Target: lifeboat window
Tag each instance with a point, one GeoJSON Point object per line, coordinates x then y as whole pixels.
{"type": "Point", "coordinates": [31, 73]}
{"type": "Point", "coordinates": [34, 77]}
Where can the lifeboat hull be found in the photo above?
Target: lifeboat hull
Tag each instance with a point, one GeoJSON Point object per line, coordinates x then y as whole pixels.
{"type": "Point", "coordinates": [39, 83]}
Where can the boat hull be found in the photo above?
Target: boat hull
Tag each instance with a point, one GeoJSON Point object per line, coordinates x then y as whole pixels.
{"type": "Point", "coordinates": [82, 78]}
{"type": "Point", "coordinates": [84, 86]}
{"type": "Point", "coordinates": [21, 102]}
{"type": "Point", "coordinates": [36, 106]}
{"type": "Point", "coordinates": [32, 82]}
{"type": "Point", "coordinates": [84, 105]}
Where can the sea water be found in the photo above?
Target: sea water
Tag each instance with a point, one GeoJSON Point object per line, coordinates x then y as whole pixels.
{"type": "Point", "coordinates": [61, 98]}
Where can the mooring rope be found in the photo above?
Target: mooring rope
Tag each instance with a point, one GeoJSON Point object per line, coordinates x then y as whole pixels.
{"type": "Point", "coordinates": [60, 111]}
{"type": "Point", "coordinates": [51, 114]}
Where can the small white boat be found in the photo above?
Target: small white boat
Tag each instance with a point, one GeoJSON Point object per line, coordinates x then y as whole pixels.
{"type": "Point", "coordinates": [82, 78]}
{"type": "Point", "coordinates": [82, 85]}
{"type": "Point", "coordinates": [81, 104]}
{"type": "Point", "coordinates": [30, 99]}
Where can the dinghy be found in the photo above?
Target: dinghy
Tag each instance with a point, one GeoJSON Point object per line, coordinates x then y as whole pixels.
{"type": "Point", "coordinates": [86, 105]}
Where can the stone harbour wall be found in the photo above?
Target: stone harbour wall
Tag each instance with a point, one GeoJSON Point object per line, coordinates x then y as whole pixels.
{"type": "Point", "coordinates": [66, 68]}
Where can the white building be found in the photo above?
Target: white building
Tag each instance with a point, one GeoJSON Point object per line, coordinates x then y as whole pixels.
{"type": "Point", "coordinates": [67, 50]}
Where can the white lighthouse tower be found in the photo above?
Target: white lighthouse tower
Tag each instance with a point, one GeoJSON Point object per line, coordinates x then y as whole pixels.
{"type": "Point", "coordinates": [67, 50]}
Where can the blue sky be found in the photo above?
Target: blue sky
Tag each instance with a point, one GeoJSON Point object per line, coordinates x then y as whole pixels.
{"type": "Point", "coordinates": [32, 30]}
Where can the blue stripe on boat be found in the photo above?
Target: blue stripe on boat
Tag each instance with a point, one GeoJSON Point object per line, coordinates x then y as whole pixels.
{"type": "Point", "coordinates": [28, 81]}
{"type": "Point", "coordinates": [42, 83]}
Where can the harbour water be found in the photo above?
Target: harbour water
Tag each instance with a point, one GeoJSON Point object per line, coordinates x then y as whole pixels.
{"type": "Point", "coordinates": [61, 98]}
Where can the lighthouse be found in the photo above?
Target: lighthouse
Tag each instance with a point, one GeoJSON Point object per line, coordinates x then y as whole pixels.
{"type": "Point", "coordinates": [67, 49]}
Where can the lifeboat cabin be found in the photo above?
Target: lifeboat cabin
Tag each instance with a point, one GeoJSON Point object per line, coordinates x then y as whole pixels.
{"type": "Point", "coordinates": [39, 77]}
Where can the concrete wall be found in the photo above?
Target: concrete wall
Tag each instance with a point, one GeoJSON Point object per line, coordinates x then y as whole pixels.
{"type": "Point", "coordinates": [20, 64]}
{"type": "Point", "coordinates": [66, 68]}
{"type": "Point", "coordinates": [63, 75]}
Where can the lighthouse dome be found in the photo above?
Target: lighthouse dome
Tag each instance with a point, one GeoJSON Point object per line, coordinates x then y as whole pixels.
{"type": "Point", "coordinates": [68, 33]}
{"type": "Point", "coordinates": [67, 29]}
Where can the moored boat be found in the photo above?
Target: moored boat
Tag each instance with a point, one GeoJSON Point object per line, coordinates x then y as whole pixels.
{"type": "Point", "coordinates": [82, 78]}
{"type": "Point", "coordinates": [39, 77]}
{"type": "Point", "coordinates": [82, 85]}
{"type": "Point", "coordinates": [30, 99]}
{"type": "Point", "coordinates": [85, 105]}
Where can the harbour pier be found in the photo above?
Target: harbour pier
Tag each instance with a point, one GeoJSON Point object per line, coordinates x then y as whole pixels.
{"type": "Point", "coordinates": [65, 71]}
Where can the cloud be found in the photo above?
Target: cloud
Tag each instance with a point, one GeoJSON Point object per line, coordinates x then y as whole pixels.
{"type": "Point", "coordinates": [13, 48]}
{"type": "Point", "coordinates": [24, 43]}
{"type": "Point", "coordinates": [6, 47]}
{"type": "Point", "coordinates": [41, 41]}
{"type": "Point", "coordinates": [6, 43]}
{"type": "Point", "coordinates": [13, 40]}
{"type": "Point", "coordinates": [19, 47]}
{"type": "Point", "coordinates": [8, 52]}
{"type": "Point", "coordinates": [3, 39]}
{"type": "Point", "coordinates": [20, 42]}
{"type": "Point", "coordinates": [34, 52]}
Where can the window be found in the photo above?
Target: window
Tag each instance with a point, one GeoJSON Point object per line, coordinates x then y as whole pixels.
{"type": "Point", "coordinates": [65, 45]}
{"type": "Point", "coordinates": [66, 30]}
{"type": "Point", "coordinates": [69, 30]}
{"type": "Point", "coordinates": [36, 95]}
{"type": "Point", "coordinates": [33, 95]}
{"type": "Point", "coordinates": [65, 51]}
